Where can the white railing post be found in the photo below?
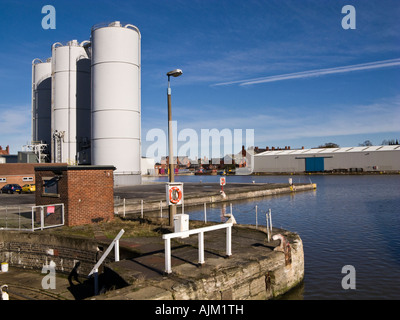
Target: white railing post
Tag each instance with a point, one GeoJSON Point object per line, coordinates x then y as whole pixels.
{"type": "Point", "coordinates": [205, 213]}
{"type": "Point", "coordinates": [141, 208]}
{"type": "Point", "coordinates": [229, 241]}
{"type": "Point", "coordinates": [201, 247]}
{"type": "Point", "coordinates": [256, 218]}
{"type": "Point", "coordinates": [116, 250]}
{"type": "Point", "coordinates": [33, 220]}
{"type": "Point", "coordinates": [270, 220]}
{"type": "Point", "coordinates": [168, 255]}
{"type": "Point", "coordinates": [41, 218]}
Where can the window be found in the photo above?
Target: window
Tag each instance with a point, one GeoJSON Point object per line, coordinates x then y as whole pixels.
{"type": "Point", "coordinates": [25, 179]}
{"type": "Point", "coordinates": [50, 187]}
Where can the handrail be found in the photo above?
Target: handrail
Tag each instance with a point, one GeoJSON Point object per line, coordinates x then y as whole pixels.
{"type": "Point", "coordinates": [95, 269]}
{"type": "Point", "coordinates": [115, 243]}
{"type": "Point", "coordinates": [167, 241]}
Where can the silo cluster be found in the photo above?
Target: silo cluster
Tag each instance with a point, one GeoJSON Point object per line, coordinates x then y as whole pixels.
{"type": "Point", "coordinates": [86, 101]}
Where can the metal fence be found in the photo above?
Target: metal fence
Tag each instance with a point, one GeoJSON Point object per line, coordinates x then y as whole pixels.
{"type": "Point", "coordinates": [28, 218]}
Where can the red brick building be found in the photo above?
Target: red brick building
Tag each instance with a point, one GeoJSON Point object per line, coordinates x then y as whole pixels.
{"type": "Point", "coordinates": [86, 191]}
{"type": "Point", "coordinates": [4, 152]}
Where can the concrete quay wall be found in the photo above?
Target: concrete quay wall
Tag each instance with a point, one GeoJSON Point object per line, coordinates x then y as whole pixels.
{"type": "Point", "coordinates": [262, 274]}
{"type": "Point", "coordinates": [255, 279]}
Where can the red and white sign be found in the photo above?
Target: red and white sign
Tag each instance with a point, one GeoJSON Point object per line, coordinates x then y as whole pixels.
{"type": "Point", "coordinates": [175, 194]}
{"type": "Point", "coordinates": [222, 181]}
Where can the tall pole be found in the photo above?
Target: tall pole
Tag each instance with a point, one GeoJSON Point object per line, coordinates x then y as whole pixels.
{"type": "Point", "coordinates": [171, 174]}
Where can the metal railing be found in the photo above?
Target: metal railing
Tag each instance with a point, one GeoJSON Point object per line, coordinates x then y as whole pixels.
{"type": "Point", "coordinates": [47, 216]}
{"type": "Point", "coordinates": [31, 218]}
{"type": "Point", "coordinates": [182, 234]}
{"type": "Point", "coordinates": [95, 270]}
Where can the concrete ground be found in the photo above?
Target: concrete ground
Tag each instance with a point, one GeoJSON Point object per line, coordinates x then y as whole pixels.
{"type": "Point", "coordinates": [156, 191]}
{"type": "Point", "coordinates": [25, 284]}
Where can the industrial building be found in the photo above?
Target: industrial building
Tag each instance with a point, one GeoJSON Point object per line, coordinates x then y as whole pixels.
{"type": "Point", "coordinates": [351, 159]}
{"type": "Point", "coordinates": [86, 101]}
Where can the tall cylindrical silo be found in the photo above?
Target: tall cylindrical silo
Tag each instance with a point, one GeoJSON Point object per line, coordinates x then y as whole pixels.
{"type": "Point", "coordinates": [71, 122]}
{"type": "Point", "coordinates": [41, 102]}
{"type": "Point", "coordinates": [116, 101]}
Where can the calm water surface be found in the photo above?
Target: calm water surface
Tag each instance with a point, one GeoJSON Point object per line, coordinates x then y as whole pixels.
{"type": "Point", "coordinates": [348, 220]}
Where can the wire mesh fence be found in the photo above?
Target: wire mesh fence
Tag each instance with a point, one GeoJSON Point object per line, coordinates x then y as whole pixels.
{"type": "Point", "coordinates": [28, 218]}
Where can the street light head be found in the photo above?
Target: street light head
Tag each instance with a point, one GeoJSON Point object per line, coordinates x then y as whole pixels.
{"type": "Point", "coordinates": [175, 73]}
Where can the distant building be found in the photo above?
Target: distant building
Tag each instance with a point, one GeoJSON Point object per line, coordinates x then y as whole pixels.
{"type": "Point", "coordinates": [147, 166]}
{"type": "Point", "coordinates": [351, 159]}
{"type": "Point", "coordinates": [6, 157]}
{"type": "Point", "coordinates": [4, 152]}
{"type": "Point", "coordinates": [19, 173]}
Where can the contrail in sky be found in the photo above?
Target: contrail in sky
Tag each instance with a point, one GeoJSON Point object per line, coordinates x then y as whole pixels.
{"type": "Point", "coordinates": [316, 73]}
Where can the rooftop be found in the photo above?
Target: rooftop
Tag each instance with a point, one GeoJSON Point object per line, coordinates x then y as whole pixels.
{"type": "Point", "coordinates": [329, 150]}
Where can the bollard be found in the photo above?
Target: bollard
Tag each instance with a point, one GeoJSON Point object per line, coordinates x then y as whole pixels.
{"type": "Point", "coordinates": [205, 213]}
{"type": "Point", "coordinates": [141, 209]}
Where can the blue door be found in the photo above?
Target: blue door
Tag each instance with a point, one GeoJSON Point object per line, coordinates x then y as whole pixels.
{"type": "Point", "coordinates": [315, 164]}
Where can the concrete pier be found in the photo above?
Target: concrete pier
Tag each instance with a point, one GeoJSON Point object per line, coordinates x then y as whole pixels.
{"type": "Point", "coordinates": [198, 194]}
{"type": "Point", "coordinates": [257, 269]}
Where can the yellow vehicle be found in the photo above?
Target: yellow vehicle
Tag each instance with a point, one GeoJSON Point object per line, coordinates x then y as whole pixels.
{"type": "Point", "coordinates": [28, 188]}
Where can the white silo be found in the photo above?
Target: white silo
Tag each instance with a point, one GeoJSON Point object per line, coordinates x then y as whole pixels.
{"type": "Point", "coordinates": [71, 125]}
{"type": "Point", "coordinates": [116, 102]}
{"type": "Point", "coordinates": [41, 102]}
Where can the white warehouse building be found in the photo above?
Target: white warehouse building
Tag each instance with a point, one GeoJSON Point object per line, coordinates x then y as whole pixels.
{"type": "Point", "coordinates": [351, 159]}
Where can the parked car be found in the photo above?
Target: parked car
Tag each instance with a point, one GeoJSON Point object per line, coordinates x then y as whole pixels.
{"type": "Point", "coordinates": [28, 188]}
{"type": "Point", "coordinates": [11, 188]}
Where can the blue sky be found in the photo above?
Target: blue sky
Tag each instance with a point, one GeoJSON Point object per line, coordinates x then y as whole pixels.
{"type": "Point", "coordinates": [315, 81]}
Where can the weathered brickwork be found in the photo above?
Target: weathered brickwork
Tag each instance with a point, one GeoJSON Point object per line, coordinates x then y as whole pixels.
{"type": "Point", "coordinates": [34, 250]}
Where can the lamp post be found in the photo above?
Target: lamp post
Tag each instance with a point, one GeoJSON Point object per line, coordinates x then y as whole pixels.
{"type": "Point", "coordinates": [171, 175]}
